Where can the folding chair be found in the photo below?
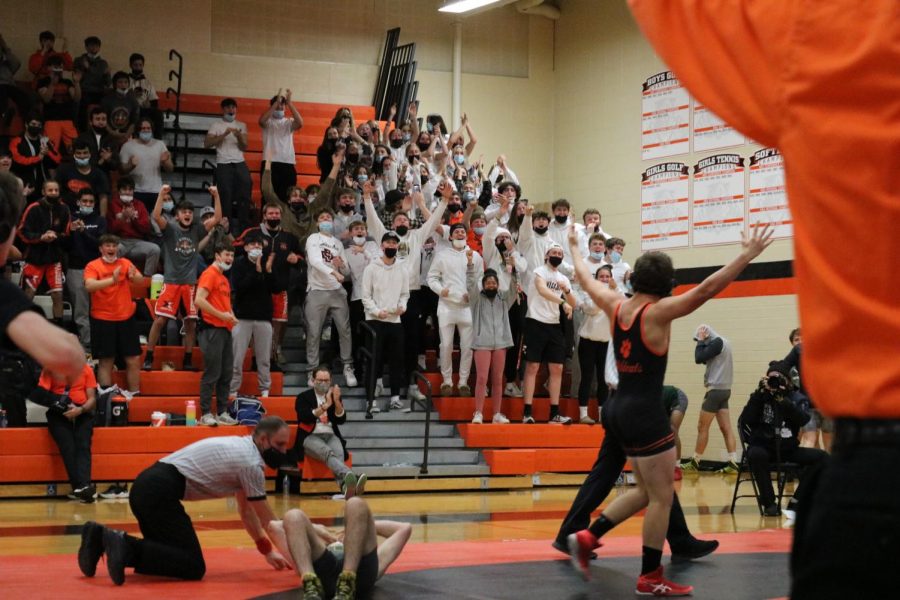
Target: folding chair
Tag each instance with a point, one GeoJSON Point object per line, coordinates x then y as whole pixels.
{"type": "Point", "coordinates": [781, 471]}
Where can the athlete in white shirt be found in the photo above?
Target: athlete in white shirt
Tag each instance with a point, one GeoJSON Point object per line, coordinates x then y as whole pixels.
{"type": "Point", "coordinates": [278, 142]}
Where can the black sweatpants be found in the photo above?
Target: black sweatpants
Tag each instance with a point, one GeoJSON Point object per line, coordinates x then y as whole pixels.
{"type": "Point", "coordinates": [73, 437]}
{"type": "Point", "coordinates": [413, 321]}
{"type": "Point", "coordinates": [595, 489]}
{"type": "Point", "coordinates": [284, 175]}
{"type": "Point", "coordinates": [170, 546]}
{"type": "Point", "coordinates": [591, 361]}
{"type": "Point", "coordinates": [389, 341]}
{"type": "Point", "coordinates": [235, 187]}
{"type": "Point", "coordinates": [761, 458]}
{"type": "Point", "coordinates": [517, 312]}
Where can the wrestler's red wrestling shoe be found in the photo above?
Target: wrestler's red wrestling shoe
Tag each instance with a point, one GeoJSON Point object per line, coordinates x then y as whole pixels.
{"type": "Point", "coordinates": [581, 546]}
{"type": "Point", "coordinates": [653, 584]}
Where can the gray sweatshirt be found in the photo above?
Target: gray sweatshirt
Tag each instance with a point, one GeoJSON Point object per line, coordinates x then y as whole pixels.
{"type": "Point", "coordinates": [715, 353]}
{"type": "Point", "coordinates": [490, 318]}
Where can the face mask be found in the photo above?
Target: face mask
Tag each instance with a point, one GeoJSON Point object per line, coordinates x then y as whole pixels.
{"type": "Point", "coordinates": [254, 253]}
{"type": "Point", "coordinates": [109, 259]}
{"type": "Point", "coordinates": [501, 246]}
{"type": "Point", "coordinates": [137, 73]}
{"type": "Point", "coordinates": [53, 199]}
{"type": "Point", "coordinates": [412, 158]}
{"type": "Point", "coordinates": [99, 130]}
{"type": "Point", "coordinates": [121, 92]}
{"type": "Point", "coordinates": [398, 143]}
{"type": "Point", "coordinates": [555, 260]}
{"type": "Point", "coordinates": [320, 387]}
{"type": "Point", "coordinates": [311, 198]}
{"type": "Point", "coordinates": [82, 162]}
{"type": "Point", "coordinates": [126, 198]}
{"type": "Point", "coordinates": [459, 244]}
{"type": "Point", "coordinates": [273, 223]}
{"type": "Point", "coordinates": [146, 136]}
{"type": "Point", "coordinates": [223, 266]}
{"type": "Point", "coordinates": [168, 206]}
{"type": "Point", "coordinates": [540, 230]}
{"type": "Point", "coordinates": [379, 159]}
{"type": "Point", "coordinates": [277, 114]}
{"type": "Point", "coordinates": [86, 210]}
{"type": "Point", "coordinates": [353, 157]}
{"type": "Point", "coordinates": [390, 252]}
{"type": "Point", "coordinates": [478, 230]}
{"type": "Point", "coordinates": [615, 256]}
{"type": "Point", "coordinates": [429, 127]}
{"type": "Point", "coordinates": [424, 179]}
{"type": "Point", "coordinates": [347, 208]}
{"type": "Point", "coordinates": [468, 196]}
{"type": "Point", "coordinates": [57, 70]}
{"type": "Point", "coordinates": [422, 146]}
{"type": "Point", "coordinates": [597, 255]}
{"type": "Point", "coordinates": [561, 219]}
{"type": "Point", "coordinates": [454, 208]}
{"type": "Point", "coordinates": [34, 131]}
{"type": "Point", "coordinates": [362, 178]}
{"type": "Point", "coordinates": [401, 230]}
{"type": "Point", "coordinates": [228, 117]}
{"type": "Point", "coordinates": [273, 458]}
{"type": "Point", "coordinates": [359, 240]}
{"type": "Point", "coordinates": [93, 55]}
{"type": "Point", "coordinates": [489, 293]}
{"type": "Point", "coordinates": [406, 137]}
{"type": "Point", "coordinates": [326, 227]}
{"type": "Point", "coordinates": [459, 159]}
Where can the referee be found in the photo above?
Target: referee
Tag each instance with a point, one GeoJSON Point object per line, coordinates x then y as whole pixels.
{"type": "Point", "coordinates": [211, 468]}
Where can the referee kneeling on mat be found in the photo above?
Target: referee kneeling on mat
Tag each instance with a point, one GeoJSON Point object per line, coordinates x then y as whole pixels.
{"type": "Point", "coordinates": [212, 468]}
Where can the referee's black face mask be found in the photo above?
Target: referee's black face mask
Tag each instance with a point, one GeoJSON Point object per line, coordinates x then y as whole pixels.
{"type": "Point", "coordinates": [273, 457]}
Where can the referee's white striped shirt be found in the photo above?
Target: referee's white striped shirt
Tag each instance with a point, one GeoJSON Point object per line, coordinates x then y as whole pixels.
{"type": "Point", "coordinates": [220, 466]}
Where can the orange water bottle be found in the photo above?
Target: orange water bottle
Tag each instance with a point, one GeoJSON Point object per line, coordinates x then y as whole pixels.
{"type": "Point", "coordinates": [190, 413]}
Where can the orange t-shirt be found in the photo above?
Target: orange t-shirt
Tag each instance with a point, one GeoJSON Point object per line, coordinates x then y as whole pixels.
{"type": "Point", "coordinates": [213, 281]}
{"type": "Point", "coordinates": [77, 391]}
{"type": "Point", "coordinates": [112, 303]}
{"type": "Point", "coordinates": [819, 81]}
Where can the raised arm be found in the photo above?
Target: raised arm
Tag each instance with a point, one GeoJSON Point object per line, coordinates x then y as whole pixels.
{"type": "Point", "coordinates": [397, 535]}
{"type": "Point", "coordinates": [602, 296]}
{"type": "Point", "coordinates": [298, 120]}
{"type": "Point", "coordinates": [156, 215]}
{"type": "Point", "coordinates": [669, 309]}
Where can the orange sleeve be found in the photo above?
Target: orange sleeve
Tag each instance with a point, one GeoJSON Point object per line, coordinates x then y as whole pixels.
{"type": "Point", "coordinates": [205, 283]}
{"type": "Point", "coordinates": [20, 158]}
{"type": "Point", "coordinates": [90, 380]}
{"type": "Point", "coordinates": [730, 55]}
{"type": "Point", "coordinates": [90, 271]}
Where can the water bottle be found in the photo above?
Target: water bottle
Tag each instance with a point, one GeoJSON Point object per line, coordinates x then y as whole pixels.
{"type": "Point", "coordinates": [3, 420]}
{"type": "Point", "coordinates": [286, 485]}
{"type": "Point", "coordinates": [190, 413]}
{"type": "Point", "coordinates": [51, 489]}
{"type": "Point", "coordinates": [156, 284]}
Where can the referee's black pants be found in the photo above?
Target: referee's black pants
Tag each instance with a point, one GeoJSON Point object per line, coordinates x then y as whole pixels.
{"type": "Point", "coordinates": [170, 546]}
{"type": "Point", "coordinates": [595, 489]}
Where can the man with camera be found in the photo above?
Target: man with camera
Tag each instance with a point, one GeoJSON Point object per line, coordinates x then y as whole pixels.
{"type": "Point", "coordinates": [769, 424]}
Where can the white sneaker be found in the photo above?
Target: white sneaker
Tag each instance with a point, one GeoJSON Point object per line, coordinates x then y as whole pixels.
{"type": "Point", "coordinates": [528, 420]}
{"type": "Point", "coordinates": [264, 394]}
{"type": "Point", "coordinates": [477, 418]}
{"type": "Point", "coordinates": [500, 418]}
{"type": "Point", "coordinates": [374, 408]}
{"type": "Point", "coordinates": [225, 419]}
{"type": "Point", "coordinates": [209, 420]}
{"type": "Point", "coordinates": [415, 393]}
{"type": "Point", "coordinates": [350, 376]}
{"type": "Point", "coordinates": [396, 404]}
{"type": "Point", "coordinates": [326, 334]}
{"type": "Point", "coordinates": [513, 390]}
{"type": "Point", "coordinates": [790, 516]}
{"type": "Point", "coordinates": [379, 389]}
{"type": "Point", "coordinates": [561, 420]}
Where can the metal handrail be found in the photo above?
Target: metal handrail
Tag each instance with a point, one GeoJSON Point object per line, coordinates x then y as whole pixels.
{"type": "Point", "coordinates": [211, 166]}
{"type": "Point", "coordinates": [368, 351]}
{"type": "Point", "coordinates": [175, 74]}
{"type": "Point", "coordinates": [427, 405]}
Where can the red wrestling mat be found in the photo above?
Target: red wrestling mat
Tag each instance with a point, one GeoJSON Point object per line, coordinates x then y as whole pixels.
{"type": "Point", "coordinates": [241, 573]}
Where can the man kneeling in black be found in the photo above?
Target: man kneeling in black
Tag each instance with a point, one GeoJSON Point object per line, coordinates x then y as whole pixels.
{"type": "Point", "coordinates": [769, 424]}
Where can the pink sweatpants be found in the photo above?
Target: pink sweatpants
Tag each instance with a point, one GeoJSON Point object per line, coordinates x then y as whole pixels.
{"type": "Point", "coordinates": [489, 361]}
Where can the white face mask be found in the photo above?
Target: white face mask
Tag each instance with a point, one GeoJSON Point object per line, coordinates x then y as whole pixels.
{"type": "Point", "coordinates": [254, 253]}
{"type": "Point", "coordinates": [223, 266]}
{"type": "Point", "coordinates": [126, 199]}
{"type": "Point", "coordinates": [359, 240]}
{"type": "Point", "coordinates": [459, 244]}
{"type": "Point", "coordinates": [109, 259]}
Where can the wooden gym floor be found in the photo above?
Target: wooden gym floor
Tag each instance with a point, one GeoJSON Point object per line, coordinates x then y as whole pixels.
{"type": "Point", "coordinates": [465, 545]}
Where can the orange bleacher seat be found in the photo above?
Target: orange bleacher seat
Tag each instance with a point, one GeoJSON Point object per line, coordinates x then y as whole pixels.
{"type": "Point", "coordinates": [187, 383]}
{"type": "Point", "coordinates": [141, 407]}
{"type": "Point", "coordinates": [175, 354]}
{"type": "Point", "coordinates": [546, 460]}
{"type": "Point", "coordinates": [314, 469]}
{"type": "Point", "coordinates": [461, 409]}
{"type": "Point", "coordinates": [250, 108]}
{"type": "Point", "coordinates": [533, 436]}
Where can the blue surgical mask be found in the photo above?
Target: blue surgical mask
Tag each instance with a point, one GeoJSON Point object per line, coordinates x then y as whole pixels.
{"type": "Point", "coordinates": [82, 162]}
{"type": "Point", "coordinates": [86, 210]}
{"type": "Point", "coordinates": [615, 256]}
{"type": "Point", "coordinates": [254, 253]}
{"type": "Point", "coordinates": [277, 114]}
{"type": "Point", "coordinates": [228, 117]}
{"type": "Point", "coordinates": [326, 227]}
{"type": "Point", "coordinates": [168, 206]}
{"type": "Point", "coordinates": [459, 159]}
{"type": "Point", "coordinates": [478, 230]}
{"type": "Point", "coordinates": [468, 196]}
{"type": "Point", "coordinates": [597, 255]}
{"type": "Point", "coordinates": [362, 178]}
{"type": "Point", "coordinates": [146, 136]}
{"type": "Point", "coordinates": [406, 137]}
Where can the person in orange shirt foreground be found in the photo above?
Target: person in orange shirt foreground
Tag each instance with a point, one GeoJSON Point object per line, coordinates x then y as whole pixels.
{"type": "Point", "coordinates": [113, 329]}
{"type": "Point", "coordinates": [819, 81]}
{"type": "Point", "coordinates": [214, 301]}
{"type": "Point", "coordinates": [73, 429]}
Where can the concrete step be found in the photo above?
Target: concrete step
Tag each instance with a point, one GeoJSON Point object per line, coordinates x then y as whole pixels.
{"type": "Point", "coordinates": [434, 470]}
{"type": "Point", "coordinates": [405, 458]}
{"type": "Point", "coordinates": [411, 443]}
{"type": "Point", "coordinates": [391, 429]}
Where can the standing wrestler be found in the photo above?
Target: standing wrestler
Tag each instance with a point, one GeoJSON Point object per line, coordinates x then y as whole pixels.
{"type": "Point", "coordinates": [634, 416]}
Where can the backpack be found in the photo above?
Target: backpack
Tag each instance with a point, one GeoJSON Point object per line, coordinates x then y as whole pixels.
{"type": "Point", "coordinates": [247, 410]}
{"type": "Point", "coordinates": [112, 407]}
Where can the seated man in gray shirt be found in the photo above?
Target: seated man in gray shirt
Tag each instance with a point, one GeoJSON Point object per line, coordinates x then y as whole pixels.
{"type": "Point", "coordinates": [212, 468]}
